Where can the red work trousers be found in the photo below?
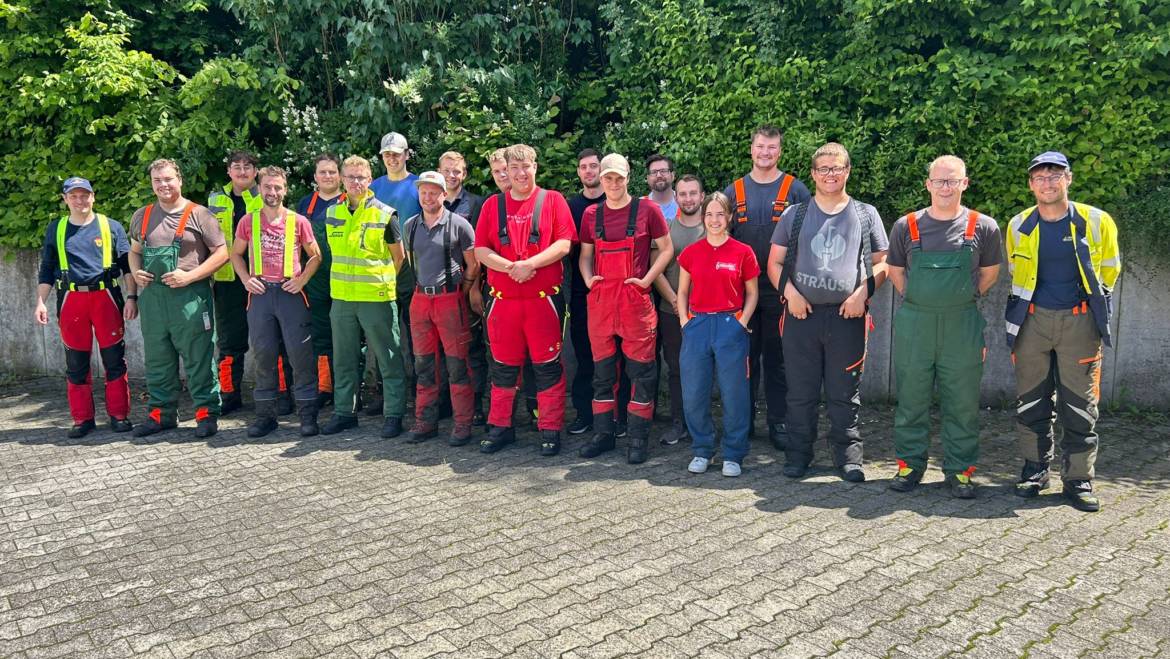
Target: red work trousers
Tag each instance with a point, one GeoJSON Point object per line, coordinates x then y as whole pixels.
{"type": "Point", "coordinates": [519, 329]}
{"type": "Point", "coordinates": [82, 317]}
{"type": "Point", "coordinates": [433, 319]}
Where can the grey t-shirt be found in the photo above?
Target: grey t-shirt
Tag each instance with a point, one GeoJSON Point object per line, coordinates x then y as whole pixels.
{"type": "Point", "coordinates": [681, 237]}
{"type": "Point", "coordinates": [757, 231]}
{"type": "Point", "coordinates": [828, 262]}
{"type": "Point", "coordinates": [428, 247]}
{"type": "Point", "coordinates": [937, 236]}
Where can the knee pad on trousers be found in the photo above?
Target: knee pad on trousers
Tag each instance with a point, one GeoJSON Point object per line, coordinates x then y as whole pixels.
{"type": "Point", "coordinates": [424, 368]}
{"type": "Point", "coordinates": [1031, 408]}
{"type": "Point", "coordinates": [458, 366]}
{"type": "Point", "coordinates": [114, 360]}
{"type": "Point", "coordinates": [548, 374]}
{"type": "Point", "coordinates": [643, 376]}
{"type": "Point", "coordinates": [605, 374]}
{"type": "Point", "coordinates": [76, 366]}
{"type": "Point", "coordinates": [504, 375]}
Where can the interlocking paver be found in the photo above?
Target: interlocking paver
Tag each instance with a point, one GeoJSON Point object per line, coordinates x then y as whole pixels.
{"type": "Point", "coordinates": [356, 547]}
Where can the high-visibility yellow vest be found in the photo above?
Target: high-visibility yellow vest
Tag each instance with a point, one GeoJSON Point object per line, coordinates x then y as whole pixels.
{"type": "Point", "coordinates": [363, 267]}
{"type": "Point", "coordinates": [221, 206]}
{"type": "Point", "coordinates": [107, 253]}
{"type": "Point", "coordinates": [290, 244]}
{"type": "Point", "coordinates": [1094, 236]}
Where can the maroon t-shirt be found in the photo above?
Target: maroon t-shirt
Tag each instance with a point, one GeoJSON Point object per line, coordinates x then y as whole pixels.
{"type": "Point", "coordinates": [718, 274]}
{"type": "Point", "coordinates": [650, 226]}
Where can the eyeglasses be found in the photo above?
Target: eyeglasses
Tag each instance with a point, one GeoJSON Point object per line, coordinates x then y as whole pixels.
{"type": "Point", "coordinates": [237, 167]}
{"type": "Point", "coordinates": [1044, 180]}
{"type": "Point", "coordinates": [660, 172]}
{"type": "Point", "coordinates": [945, 183]}
{"type": "Point", "coordinates": [356, 179]}
{"type": "Point", "coordinates": [830, 170]}
{"type": "Point", "coordinates": [451, 172]}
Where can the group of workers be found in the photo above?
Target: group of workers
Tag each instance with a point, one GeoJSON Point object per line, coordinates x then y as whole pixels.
{"type": "Point", "coordinates": [763, 287]}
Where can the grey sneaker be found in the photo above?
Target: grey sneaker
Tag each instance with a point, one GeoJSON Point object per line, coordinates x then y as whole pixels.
{"type": "Point", "coordinates": [731, 469]}
{"type": "Point", "coordinates": [698, 465]}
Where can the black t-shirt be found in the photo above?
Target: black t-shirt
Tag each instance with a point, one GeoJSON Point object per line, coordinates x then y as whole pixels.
{"type": "Point", "coordinates": [577, 205]}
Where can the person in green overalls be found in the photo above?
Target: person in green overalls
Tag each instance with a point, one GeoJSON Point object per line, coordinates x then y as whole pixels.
{"type": "Point", "coordinates": [941, 258]}
{"type": "Point", "coordinates": [175, 247]}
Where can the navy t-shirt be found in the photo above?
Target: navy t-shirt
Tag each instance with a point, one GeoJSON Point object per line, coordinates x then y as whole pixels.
{"type": "Point", "coordinates": [1058, 279]}
{"type": "Point", "coordinates": [83, 253]}
{"type": "Point", "coordinates": [577, 206]}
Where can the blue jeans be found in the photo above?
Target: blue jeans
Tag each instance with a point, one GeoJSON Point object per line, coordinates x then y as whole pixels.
{"type": "Point", "coordinates": [716, 346]}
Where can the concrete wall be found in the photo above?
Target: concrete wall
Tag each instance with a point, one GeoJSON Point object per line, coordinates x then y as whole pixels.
{"type": "Point", "coordinates": [1135, 369]}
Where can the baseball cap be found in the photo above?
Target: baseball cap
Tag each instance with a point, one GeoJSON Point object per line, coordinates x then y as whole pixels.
{"type": "Point", "coordinates": [432, 177]}
{"type": "Point", "coordinates": [393, 142]}
{"type": "Point", "coordinates": [74, 182]}
{"type": "Point", "coordinates": [1049, 158]}
{"type": "Point", "coordinates": [616, 163]}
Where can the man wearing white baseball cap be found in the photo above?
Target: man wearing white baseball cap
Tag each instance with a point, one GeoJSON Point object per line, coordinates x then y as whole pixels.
{"type": "Point", "coordinates": [440, 247]}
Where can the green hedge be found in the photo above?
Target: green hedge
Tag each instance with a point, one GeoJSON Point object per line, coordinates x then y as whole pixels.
{"type": "Point", "coordinates": [102, 92]}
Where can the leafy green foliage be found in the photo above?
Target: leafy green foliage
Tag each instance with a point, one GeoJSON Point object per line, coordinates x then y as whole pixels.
{"type": "Point", "coordinates": [103, 88]}
{"type": "Point", "coordinates": [899, 82]}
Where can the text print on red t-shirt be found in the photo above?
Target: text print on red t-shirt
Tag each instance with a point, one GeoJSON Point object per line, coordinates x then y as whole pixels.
{"type": "Point", "coordinates": [721, 265]}
{"type": "Point", "coordinates": [520, 225]}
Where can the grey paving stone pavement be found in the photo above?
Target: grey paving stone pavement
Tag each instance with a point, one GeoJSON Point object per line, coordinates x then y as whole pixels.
{"type": "Point", "coordinates": [354, 546]}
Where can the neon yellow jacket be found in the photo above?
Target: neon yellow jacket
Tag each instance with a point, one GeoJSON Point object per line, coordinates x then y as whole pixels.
{"type": "Point", "coordinates": [363, 267]}
{"type": "Point", "coordinates": [1094, 235]}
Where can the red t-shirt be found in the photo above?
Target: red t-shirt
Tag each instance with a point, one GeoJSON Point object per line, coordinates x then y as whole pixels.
{"type": "Point", "coordinates": [272, 245]}
{"type": "Point", "coordinates": [648, 227]}
{"type": "Point", "coordinates": [556, 223]}
{"type": "Point", "coordinates": [718, 274]}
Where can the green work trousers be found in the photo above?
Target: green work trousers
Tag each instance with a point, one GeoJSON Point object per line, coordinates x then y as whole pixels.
{"type": "Point", "coordinates": [179, 322]}
{"type": "Point", "coordinates": [379, 322]}
{"type": "Point", "coordinates": [938, 342]}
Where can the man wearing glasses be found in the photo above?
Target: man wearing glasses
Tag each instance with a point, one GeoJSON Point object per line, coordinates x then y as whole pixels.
{"type": "Point", "coordinates": [760, 198]}
{"type": "Point", "coordinates": [660, 182]}
{"type": "Point", "coordinates": [941, 258]}
{"type": "Point", "coordinates": [839, 261]}
{"type": "Point", "coordinates": [1064, 262]}
{"type": "Point", "coordinates": [366, 242]}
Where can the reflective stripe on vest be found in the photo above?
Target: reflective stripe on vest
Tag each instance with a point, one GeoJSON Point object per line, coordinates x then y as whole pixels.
{"type": "Point", "coordinates": [290, 232]}
{"type": "Point", "coordinates": [362, 268]}
{"type": "Point", "coordinates": [107, 252]}
{"type": "Point", "coordinates": [221, 205]}
{"type": "Point", "coordinates": [778, 204]}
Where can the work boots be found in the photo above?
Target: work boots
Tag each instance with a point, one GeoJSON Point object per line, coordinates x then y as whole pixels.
{"type": "Point", "coordinates": [639, 439]}
{"type": "Point", "coordinates": [265, 421]}
{"type": "Point", "coordinates": [603, 426]}
{"type": "Point", "coordinates": [308, 411]}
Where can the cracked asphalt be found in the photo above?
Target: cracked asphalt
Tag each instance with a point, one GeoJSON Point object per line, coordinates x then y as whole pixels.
{"type": "Point", "coordinates": [356, 546]}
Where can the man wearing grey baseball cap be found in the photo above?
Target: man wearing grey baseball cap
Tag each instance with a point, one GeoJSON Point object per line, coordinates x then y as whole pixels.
{"type": "Point", "coordinates": [1064, 261]}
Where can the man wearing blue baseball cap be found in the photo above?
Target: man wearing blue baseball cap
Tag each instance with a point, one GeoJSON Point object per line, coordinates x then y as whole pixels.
{"type": "Point", "coordinates": [83, 256]}
{"type": "Point", "coordinates": [1064, 261]}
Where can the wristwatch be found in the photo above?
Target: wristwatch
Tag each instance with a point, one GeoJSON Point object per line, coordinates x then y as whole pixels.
{"type": "Point", "coordinates": [132, 297]}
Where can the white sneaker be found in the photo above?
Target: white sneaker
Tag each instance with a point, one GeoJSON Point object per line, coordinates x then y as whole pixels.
{"type": "Point", "coordinates": [731, 468]}
{"type": "Point", "coordinates": [698, 465]}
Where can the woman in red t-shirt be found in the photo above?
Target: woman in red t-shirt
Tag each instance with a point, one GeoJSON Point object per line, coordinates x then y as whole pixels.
{"type": "Point", "coordinates": [717, 294]}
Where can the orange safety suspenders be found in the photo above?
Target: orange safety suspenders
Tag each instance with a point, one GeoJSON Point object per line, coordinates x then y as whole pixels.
{"type": "Point", "coordinates": [182, 220]}
{"type": "Point", "coordinates": [778, 205]}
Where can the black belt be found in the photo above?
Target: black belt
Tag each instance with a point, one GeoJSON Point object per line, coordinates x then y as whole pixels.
{"type": "Point", "coordinates": [433, 290]}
